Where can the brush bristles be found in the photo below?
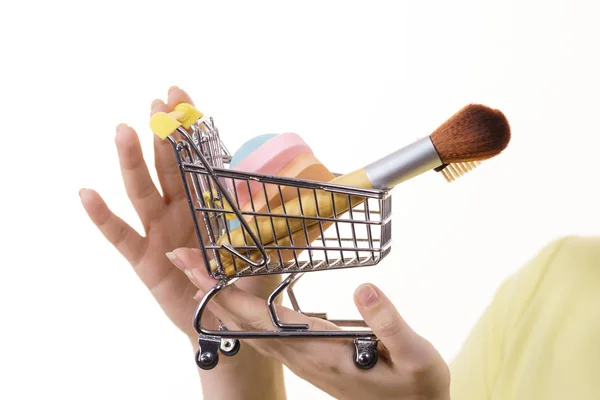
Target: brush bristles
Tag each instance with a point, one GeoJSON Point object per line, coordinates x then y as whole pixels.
{"type": "Point", "coordinates": [474, 133]}
{"type": "Point", "coordinates": [455, 170]}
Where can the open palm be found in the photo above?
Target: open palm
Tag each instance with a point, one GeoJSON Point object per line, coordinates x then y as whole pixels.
{"type": "Point", "coordinates": [166, 220]}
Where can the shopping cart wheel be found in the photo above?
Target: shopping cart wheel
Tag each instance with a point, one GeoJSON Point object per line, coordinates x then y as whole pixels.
{"type": "Point", "coordinates": [230, 347]}
{"type": "Point", "coordinates": [365, 353]}
{"type": "Point", "coordinates": [207, 356]}
{"type": "Point", "coordinates": [207, 360]}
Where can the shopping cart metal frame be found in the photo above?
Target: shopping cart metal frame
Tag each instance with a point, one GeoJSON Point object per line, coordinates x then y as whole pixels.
{"type": "Point", "coordinates": [201, 157]}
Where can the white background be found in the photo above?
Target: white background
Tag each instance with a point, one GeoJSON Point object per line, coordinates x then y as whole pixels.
{"type": "Point", "coordinates": [356, 80]}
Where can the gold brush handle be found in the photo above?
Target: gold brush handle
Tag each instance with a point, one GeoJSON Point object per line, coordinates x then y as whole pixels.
{"type": "Point", "coordinates": [382, 174]}
{"type": "Point", "coordinates": [298, 238]}
{"type": "Point", "coordinates": [270, 228]}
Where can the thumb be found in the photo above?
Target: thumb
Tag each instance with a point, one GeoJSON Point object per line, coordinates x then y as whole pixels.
{"type": "Point", "coordinates": [384, 320]}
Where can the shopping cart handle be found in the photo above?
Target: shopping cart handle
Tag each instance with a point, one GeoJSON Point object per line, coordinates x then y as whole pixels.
{"type": "Point", "coordinates": [163, 124]}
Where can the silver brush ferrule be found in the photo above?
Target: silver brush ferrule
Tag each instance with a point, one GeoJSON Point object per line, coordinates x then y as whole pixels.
{"type": "Point", "coordinates": [403, 164]}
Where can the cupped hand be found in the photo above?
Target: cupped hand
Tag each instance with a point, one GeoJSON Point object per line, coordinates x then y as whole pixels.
{"type": "Point", "coordinates": [409, 367]}
{"type": "Point", "coordinates": [166, 220]}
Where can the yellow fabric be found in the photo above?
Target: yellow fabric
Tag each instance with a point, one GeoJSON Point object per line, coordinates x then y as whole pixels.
{"type": "Point", "coordinates": [540, 336]}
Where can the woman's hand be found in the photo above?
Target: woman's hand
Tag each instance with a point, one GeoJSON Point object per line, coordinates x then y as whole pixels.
{"type": "Point", "coordinates": [168, 224]}
{"type": "Point", "coordinates": [409, 367]}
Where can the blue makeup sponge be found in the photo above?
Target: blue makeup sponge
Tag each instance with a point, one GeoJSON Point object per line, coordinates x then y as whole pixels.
{"type": "Point", "coordinates": [249, 147]}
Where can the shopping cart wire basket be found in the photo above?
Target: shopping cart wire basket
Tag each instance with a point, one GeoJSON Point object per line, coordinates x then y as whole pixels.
{"type": "Point", "coordinates": [355, 233]}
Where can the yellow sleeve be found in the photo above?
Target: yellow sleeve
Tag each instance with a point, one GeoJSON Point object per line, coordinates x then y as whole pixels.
{"type": "Point", "coordinates": [474, 371]}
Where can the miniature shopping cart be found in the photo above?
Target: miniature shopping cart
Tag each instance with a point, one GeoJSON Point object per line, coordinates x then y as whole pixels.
{"type": "Point", "coordinates": [358, 237]}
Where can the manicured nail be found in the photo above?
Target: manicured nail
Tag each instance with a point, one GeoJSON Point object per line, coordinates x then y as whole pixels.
{"type": "Point", "coordinates": [155, 103]}
{"type": "Point", "coordinates": [197, 277]}
{"type": "Point", "coordinates": [191, 276]}
{"type": "Point", "coordinates": [176, 261]}
{"type": "Point", "coordinates": [172, 88]}
{"type": "Point", "coordinates": [367, 295]}
{"type": "Point", "coordinates": [84, 195]}
{"type": "Point", "coordinates": [199, 295]}
{"type": "Point", "coordinates": [121, 126]}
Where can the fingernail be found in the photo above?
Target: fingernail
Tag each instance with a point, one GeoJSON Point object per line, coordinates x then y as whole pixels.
{"type": "Point", "coordinates": [191, 277]}
{"type": "Point", "coordinates": [198, 278]}
{"type": "Point", "coordinates": [172, 88]}
{"type": "Point", "coordinates": [119, 135]}
{"type": "Point", "coordinates": [155, 104]}
{"type": "Point", "coordinates": [176, 261]}
{"type": "Point", "coordinates": [367, 295]}
{"type": "Point", "coordinates": [83, 194]}
{"type": "Point", "coordinates": [199, 295]}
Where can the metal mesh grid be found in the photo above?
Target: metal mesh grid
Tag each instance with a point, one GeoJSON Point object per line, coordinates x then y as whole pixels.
{"type": "Point", "coordinates": [355, 232]}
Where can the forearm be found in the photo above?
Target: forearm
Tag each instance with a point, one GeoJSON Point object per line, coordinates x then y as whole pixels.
{"type": "Point", "coordinates": [246, 376]}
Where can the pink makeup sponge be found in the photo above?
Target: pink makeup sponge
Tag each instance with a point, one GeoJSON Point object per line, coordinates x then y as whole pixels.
{"type": "Point", "coordinates": [305, 167]}
{"type": "Point", "coordinates": [248, 148]}
{"type": "Point", "coordinates": [288, 156]}
{"type": "Point", "coordinates": [268, 159]}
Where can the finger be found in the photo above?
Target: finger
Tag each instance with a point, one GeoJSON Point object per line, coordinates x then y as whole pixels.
{"type": "Point", "coordinates": [165, 161]}
{"type": "Point", "coordinates": [139, 185]}
{"type": "Point", "coordinates": [177, 96]}
{"type": "Point", "coordinates": [268, 348]}
{"type": "Point", "coordinates": [382, 317]}
{"type": "Point", "coordinates": [125, 239]}
{"type": "Point", "coordinates": [159, 106]}
{"type": "Point", "coordinates": [248, 310]}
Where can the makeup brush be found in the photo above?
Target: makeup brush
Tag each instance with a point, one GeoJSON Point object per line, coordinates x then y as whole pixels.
{"type": "Point", "coordinates": [473, 134]}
